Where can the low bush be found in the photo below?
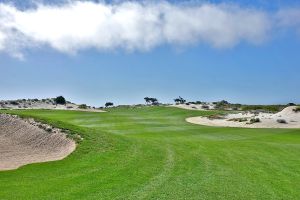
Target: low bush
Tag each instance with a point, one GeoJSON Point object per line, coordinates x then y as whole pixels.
{"type": "Point", "coordinates": [238, 119]}
{"type": "Point", "coordinates": [14, 103]}
{"type": "Point", "coordinates": [211, 117]}
{"type": "Point", "coordinates": [205, 107]}
{"type": "Point", "coordinates": [281, 121]}
{"type": "Point", "coordinates": [254, 120]}
{"type": "Point", "coordinates": [82, 106]}
{"type": "Point", "coordinates": [297, 109]}
{"type": "Point", "coordinates": [49, 129]}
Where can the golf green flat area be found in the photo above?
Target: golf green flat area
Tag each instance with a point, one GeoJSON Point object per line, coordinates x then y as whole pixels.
{"type": "Point", "coordinates": [153, 153]}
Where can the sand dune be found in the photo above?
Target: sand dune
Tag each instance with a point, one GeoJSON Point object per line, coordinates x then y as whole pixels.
{"type": "Point", "coordinates": [267, 120]}
{"type": "Point", "coordinates": [44, 104]}
{"type": "Point", "coordinates": [209, 106]}
{"type": "Point", "coordinates": [23, 142]}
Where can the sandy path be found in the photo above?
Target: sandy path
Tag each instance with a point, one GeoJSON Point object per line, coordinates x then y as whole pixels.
{"type": "Point", "coordinates": [22, 143]}
{"type": "Point", "coordinates": [267, 120]}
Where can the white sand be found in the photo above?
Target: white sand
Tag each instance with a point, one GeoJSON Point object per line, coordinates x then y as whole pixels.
{"type": "Point", "coordinates": [194, 106]}
{"type": "Point", "coordinates": [23, 142]}
{"type": "Point", "coordinates": [267, 120]}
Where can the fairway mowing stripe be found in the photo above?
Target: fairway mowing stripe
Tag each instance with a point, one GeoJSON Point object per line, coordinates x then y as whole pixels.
{"type": "Point", "coordinates": [157, 180]}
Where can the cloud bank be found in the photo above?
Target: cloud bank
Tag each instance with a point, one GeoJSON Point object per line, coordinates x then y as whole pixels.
{"type": "Point", "coordinates": [132, 26]}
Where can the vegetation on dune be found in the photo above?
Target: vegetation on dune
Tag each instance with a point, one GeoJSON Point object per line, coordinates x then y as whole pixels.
{"type": "Point", "coordinates": [60, 100]}
{"type": "Point", "coordinates": [267, 108]}
{"type": "Point", "coordinates": [281, 121]}
{"type": "Point", "coordinates": [82, 106]}
{"type": "Point", "coordinates": [238, 119]}
{"type": "Point", "coordinates": [254, 120]}
{"type": "Point", "coordinates": [151, 152]}
{"type": "Point", "coordinates": [297, 109]}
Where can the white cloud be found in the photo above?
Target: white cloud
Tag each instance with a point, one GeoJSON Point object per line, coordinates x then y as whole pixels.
{"type": "Point", "coordinates": [2, 39]}
{"type": "Point", "coordinates": [289, 18]}
{"type": "Point", "coordinates": [131, 26]}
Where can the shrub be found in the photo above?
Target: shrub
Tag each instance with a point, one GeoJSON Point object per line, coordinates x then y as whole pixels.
{"type": "Point", "coordinates": [14, 103]}
{"type": "Point", "coordinates": [254, 120]}
{"type": "Point", "coordinates": [297, 109]}
{"type": "Point", "coordinates": [187, 104]}
{"type": "Point", "coordinates": [205, 107]}
{"type": "Point", "coordinates": [238, 119]}
{"type": "Point", "coordinates": [60, 100]}
{"type": "Point", "coordinates": [49, 129]}
{"type": "Point", "coordinates": [198, 102]}
{"type": "Point", "coordinates": [281, 121]}
{"type": "Point", "coordinates": [82, 106]}
{"type": "Point", "coordinates": [211, 117]}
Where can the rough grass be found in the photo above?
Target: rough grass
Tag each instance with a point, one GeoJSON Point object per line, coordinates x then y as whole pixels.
{"type": "Point", "coordinates": [152, 153]}
{"type": "Point", "coordinates": [267, 108]}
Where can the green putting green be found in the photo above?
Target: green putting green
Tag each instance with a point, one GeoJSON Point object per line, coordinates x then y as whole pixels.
{"type": "Point", "coordinates": [153, 153]}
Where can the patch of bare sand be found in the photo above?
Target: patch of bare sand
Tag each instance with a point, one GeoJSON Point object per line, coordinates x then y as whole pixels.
{"type": "Point", "coordinates": [22, 142]}
{"type": "Point", "coordinates": [267, 120]}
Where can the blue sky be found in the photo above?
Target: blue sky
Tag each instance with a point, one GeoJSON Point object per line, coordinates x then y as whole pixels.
{"type": "Point", "coordinates": [239, 70]}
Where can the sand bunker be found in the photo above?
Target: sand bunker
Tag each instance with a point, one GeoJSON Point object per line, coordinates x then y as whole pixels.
{"type": "Point", "coordinates": [287, 118]}
{"type": "Point", "coordinates": [23, 142]}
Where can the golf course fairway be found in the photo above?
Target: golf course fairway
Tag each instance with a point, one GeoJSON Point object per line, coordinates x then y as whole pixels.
{"type": "Point", "coordinates": [153, 153]}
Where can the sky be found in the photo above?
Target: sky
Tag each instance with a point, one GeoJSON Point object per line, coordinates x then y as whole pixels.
{"type": "Point", "coordinates": [122, 51]}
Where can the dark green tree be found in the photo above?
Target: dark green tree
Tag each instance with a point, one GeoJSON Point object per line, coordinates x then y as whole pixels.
{"type": "Point", "coordinates": [180, 100]}
{"type": "Point", "coordinates": [60, 100]}
{"type": "Point", "coordinates": [107, 104]}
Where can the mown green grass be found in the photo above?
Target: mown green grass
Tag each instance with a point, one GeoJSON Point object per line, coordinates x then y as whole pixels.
{"type": "Point", "coordinates": [152, 153]}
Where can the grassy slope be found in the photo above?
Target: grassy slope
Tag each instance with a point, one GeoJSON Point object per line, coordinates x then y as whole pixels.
{"type": "Point", "coordinates": [152, 153]}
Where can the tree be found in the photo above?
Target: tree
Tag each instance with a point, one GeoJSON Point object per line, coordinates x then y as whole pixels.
{"type": "Point", "coordinates": [107, 104]}
{"type": "Point", "coordinates": [151, 100]}
{"type": "Point", "coordinates": [60, 100]}
{"type": "Point", "coordinates": [154, 101]}
{"type": "Point", "coordinates": [147, 99]}
{"type": "Point", "coordinates": [180, 100]}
